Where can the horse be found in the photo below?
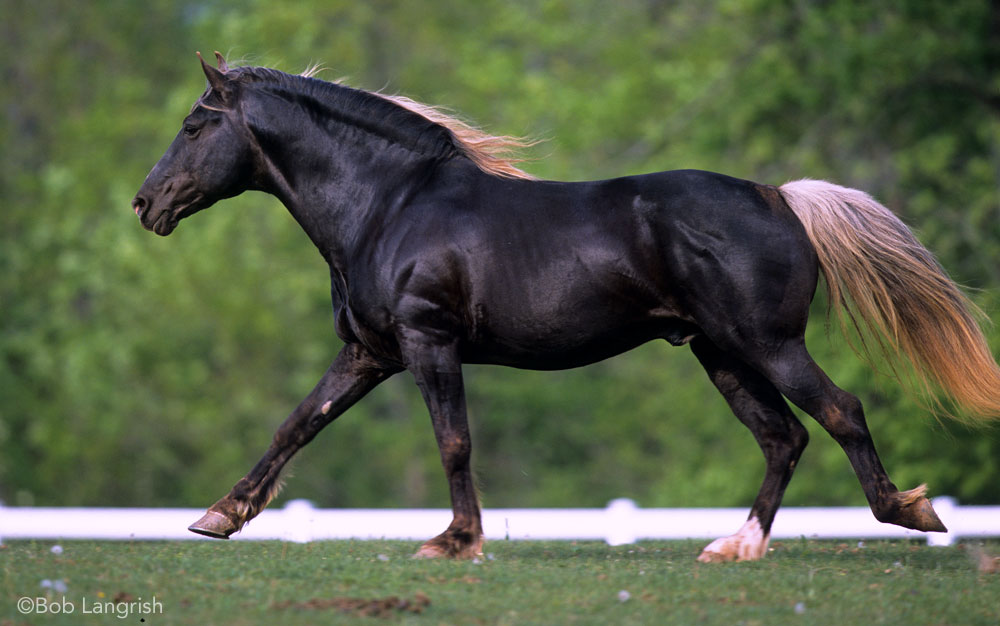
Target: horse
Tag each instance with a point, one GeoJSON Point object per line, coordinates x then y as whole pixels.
{"type": "Point", "coordinates": [442, 251]}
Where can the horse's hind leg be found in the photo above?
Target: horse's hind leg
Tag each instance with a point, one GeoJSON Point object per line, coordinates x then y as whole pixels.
{"type": "Point", "coordinates": [759, 405]}
{"type": "Point", "coordinates": [797, 376]}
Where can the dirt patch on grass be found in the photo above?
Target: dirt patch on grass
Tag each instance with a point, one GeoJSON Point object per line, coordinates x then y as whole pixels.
{"type": "Point", "coordinates": [362, 607]}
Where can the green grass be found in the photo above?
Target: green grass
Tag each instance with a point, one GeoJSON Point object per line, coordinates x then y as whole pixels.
{"type": "Point", "coordinates": [242, 582]}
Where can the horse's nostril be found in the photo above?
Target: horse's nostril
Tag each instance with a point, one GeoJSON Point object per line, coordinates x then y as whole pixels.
{"type": "Point", "coordinates": [139, 205]}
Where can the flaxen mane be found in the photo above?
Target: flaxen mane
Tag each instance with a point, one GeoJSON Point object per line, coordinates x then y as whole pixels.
{"type": "Point", "coordinates": [493, 154]}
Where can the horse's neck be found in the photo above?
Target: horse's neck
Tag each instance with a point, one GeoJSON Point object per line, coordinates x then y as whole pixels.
{"type": "Point", "coordinates": [335, 183]}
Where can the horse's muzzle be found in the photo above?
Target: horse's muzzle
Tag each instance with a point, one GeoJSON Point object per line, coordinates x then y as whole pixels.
{"type": "Point", "coordinates": [161, 222]}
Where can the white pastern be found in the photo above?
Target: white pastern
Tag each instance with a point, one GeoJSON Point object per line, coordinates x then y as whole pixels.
{"type": "Point", "coordinates": [748, 544]}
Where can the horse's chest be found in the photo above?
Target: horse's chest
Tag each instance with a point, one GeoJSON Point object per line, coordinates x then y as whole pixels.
{"type": "Point", "coordinates": [361, 326]}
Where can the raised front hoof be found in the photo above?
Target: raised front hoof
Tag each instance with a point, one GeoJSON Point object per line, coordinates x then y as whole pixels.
{"type": "Point", "coordinates": [915, 512]}
{"type": "Point", "coordinates": [452, 545]}
{"type": "Point", "coordinates": [214, 525]}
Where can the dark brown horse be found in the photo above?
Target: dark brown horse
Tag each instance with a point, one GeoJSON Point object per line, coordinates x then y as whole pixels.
{"type": "Point", "coordinates": [443, 252]}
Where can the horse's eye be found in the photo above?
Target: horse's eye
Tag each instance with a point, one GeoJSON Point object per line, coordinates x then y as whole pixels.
{"type": "Point", "coordinates": [191, 130]}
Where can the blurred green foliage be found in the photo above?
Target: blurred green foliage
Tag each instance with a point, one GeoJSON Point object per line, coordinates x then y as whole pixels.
{"type": "Point", "coordinates": [142, 371]}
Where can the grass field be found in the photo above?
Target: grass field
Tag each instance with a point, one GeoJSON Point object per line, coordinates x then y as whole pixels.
{"type": "Point", "coordinates": [800, 582]}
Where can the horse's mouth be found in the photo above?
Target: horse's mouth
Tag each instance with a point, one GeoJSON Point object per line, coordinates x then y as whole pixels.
{"type": "Point", "coordinates": [165, 223]}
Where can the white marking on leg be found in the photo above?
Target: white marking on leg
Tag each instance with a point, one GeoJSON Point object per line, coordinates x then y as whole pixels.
{"type": "Point", "coordinates": [748, 544]}
{"type": "Point", "coordinates": [326, 407]}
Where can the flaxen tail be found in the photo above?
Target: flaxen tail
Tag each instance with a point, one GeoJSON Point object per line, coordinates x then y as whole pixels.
{"type": "Point", "coordinates": [894, 292]}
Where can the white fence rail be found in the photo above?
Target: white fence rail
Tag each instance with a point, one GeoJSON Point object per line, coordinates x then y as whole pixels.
{"type": "Point", "coordinates": [621, 522]}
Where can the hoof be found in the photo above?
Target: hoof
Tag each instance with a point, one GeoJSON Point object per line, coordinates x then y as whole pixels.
{"type": "Point", "coordinates": [448, 545]}
{"type": "Point", "coordinates": [748, 544]}
{"type": "Point", "coordinates": [215, 525]}
{"type": "Point", "coordinates": [916, 512]}
{"type": "Point", "coordinates": [428, 551]}
{"type": "Point", "coordinates": [711, 555]}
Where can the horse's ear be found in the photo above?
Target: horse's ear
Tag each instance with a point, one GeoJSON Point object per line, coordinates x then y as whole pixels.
{"type": "Point", "coordinates": [223, 66]}
{"type": "Point", "coordinates": [216, 78]}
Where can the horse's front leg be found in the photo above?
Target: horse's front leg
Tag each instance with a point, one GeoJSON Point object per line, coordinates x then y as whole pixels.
{"type": "Point", "coordinates": [438, 373]}
{"type": "Point", "coordinates": [353, 374]}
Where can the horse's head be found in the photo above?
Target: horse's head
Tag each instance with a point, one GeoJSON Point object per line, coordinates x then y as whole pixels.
{"type": "Point", "coordinates": [211, 158]}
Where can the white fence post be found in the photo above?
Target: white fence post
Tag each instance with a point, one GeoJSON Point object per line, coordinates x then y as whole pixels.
{"type": "Point", "coordinates": [621, 519]}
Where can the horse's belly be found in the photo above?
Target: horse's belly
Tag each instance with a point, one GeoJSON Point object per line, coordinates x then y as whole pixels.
{"type": "Point", "coordinates": [567, 343]}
